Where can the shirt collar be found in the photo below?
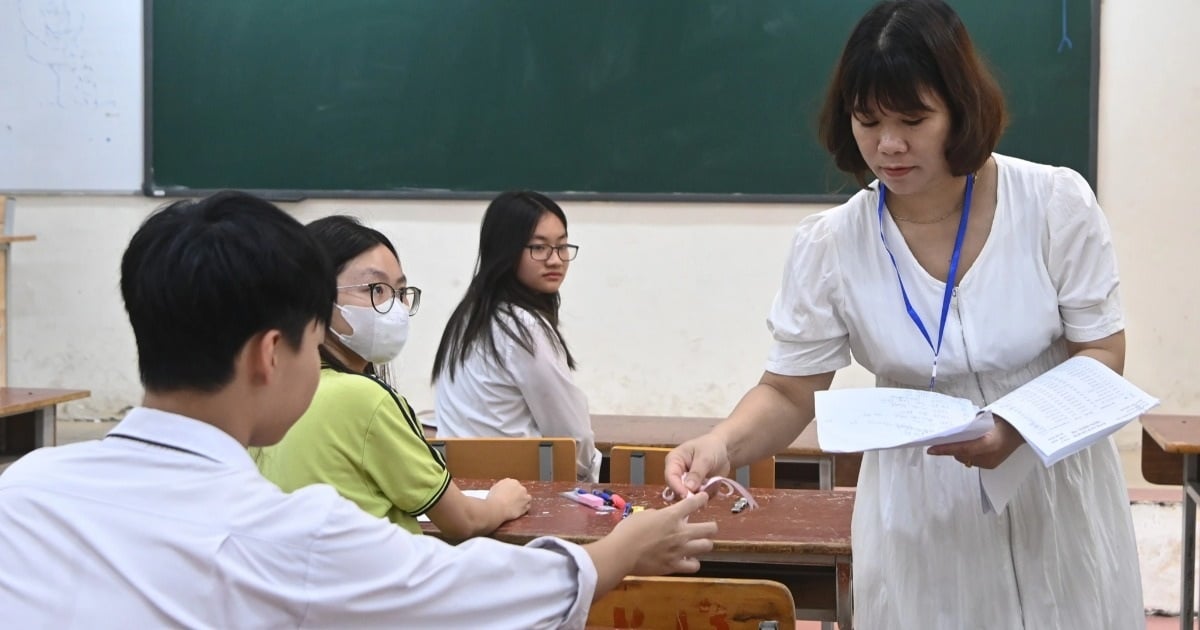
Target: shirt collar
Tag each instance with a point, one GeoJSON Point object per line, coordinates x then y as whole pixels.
{"type": "Point", "coordinates": [182, 433]}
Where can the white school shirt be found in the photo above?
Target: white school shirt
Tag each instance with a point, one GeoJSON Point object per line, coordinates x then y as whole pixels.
{"type": "Point", "coordinates": [1062, 555]}
{"type": "Point", "coordinates": [167, 523]}
{"type": "Point", "coordinates": [525, 395]}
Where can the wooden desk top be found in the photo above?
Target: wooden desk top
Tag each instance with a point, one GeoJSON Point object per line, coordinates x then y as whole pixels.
{"type": "Point", "coordinates": [1174, 434]}
{"type": "Point", "coordinates": [787, 522]}
{"type": "Point", "coordinates": [15, 400]}
{"type": "Point", "coordinates": [671, 431]}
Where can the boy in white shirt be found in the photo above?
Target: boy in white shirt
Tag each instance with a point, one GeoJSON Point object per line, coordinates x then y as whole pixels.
{"type": "Point", "coordinates": [167, 522]}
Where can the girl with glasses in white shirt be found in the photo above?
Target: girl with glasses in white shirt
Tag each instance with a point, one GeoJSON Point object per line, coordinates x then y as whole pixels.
{"type": "Point", "coordinates": [503, 368]}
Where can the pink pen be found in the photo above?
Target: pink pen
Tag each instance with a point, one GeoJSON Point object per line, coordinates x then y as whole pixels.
{"type": "Point", "coordinates": [590, 500]}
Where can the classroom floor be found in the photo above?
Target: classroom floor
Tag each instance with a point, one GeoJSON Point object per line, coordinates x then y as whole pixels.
{"type": "Point", "coordinates": [75, 431]}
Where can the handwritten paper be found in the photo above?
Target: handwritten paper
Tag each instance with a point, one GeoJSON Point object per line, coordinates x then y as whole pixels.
{"type": "Point", "coordinates": [854, 420]}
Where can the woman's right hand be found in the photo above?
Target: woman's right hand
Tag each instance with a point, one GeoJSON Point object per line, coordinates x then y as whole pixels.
{"type": "Point", "coordinates": [512, 498]}
{"type": "Point", "coordinates": [690, 463]}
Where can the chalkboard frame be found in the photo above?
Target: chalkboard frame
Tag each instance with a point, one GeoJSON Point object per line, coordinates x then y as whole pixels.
{"type": "Point", "coordinates": [295, 195]}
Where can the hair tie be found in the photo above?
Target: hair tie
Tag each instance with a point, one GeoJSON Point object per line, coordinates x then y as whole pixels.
{"type": "Point", "coordinates": [724, 486]}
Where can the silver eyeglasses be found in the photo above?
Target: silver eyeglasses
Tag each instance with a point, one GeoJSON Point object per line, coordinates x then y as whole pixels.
{"type": "Point", "coordinates": [541, 252]}
{"type": "Point", "coordinates": [384, 295]}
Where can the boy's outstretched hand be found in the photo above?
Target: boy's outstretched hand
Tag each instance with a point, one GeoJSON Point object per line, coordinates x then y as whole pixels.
{"type": "Point", "coordinates": [653, 542]}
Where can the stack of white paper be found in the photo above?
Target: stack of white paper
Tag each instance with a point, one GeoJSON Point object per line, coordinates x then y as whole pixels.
{"type": "Point", "coordinates": [1071, 407]}
{"type": "Point", "coordinates": [1063, 411]}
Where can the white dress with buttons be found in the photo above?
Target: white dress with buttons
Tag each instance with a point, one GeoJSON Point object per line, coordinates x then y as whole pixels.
{"type": "Point", "coordinates": [1062, 554]}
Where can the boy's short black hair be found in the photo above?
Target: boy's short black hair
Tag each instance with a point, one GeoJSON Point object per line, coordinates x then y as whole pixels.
{"type": "Point", "coordinates": [201, 277]}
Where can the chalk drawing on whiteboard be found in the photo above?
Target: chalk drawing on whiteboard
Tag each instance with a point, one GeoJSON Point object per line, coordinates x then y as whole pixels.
{"type": "Point", "coordinates": [53, 34]}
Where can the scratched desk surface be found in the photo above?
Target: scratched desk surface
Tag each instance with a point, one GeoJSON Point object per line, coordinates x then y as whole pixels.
{"type": "Point", "coordinates": [786, 523]}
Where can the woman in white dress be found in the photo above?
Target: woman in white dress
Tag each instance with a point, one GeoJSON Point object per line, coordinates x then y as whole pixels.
{"type": "Point", "coordinates": [1018, 257]}
{"type": "Point", "coordinates": [503, 368]}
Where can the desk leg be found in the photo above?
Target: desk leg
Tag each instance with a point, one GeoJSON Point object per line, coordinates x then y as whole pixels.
{"type": "Point", "coordinates": [825, 474]}
{"type": "Point", "coordinates": [44, 426]}
{"type": "Point", "coordinates": [1187, 589]}
{"type": "Point", "coordinates": [845, 595]}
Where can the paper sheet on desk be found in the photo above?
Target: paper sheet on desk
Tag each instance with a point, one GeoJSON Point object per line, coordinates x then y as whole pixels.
{"type": "Point", "coordinates": [873, 418]}
{"type": "Point", "coordinates": [478, 494]}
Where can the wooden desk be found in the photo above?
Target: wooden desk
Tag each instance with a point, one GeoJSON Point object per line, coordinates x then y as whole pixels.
{"type": "Point", "coordinates": [27, 417]}
{"type": "Point", "coordinates": [1173, 445]}
{"type": "Point", "coordinates": [798, 537]}
{"type": "Point", "coordinates": [670, 431]}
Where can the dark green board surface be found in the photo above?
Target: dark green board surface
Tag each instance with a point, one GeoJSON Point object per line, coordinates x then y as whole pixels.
{"type": "Point", "coordinates": [690, 99]}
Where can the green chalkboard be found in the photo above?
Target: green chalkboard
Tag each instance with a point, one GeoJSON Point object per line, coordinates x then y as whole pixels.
{"type": "Point", "coordinates": [685, 99]}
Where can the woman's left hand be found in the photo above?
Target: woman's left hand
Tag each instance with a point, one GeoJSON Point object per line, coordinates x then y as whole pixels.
{"type": "Point", "coordinates": [988, 451]}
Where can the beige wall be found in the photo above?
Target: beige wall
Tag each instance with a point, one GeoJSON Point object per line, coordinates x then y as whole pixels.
{"type": "Point", "coordinates": [664, 307]}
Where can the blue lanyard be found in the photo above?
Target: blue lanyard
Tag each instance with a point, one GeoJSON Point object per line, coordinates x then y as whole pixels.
{"type": "Point", "coordinates": [954, 256]}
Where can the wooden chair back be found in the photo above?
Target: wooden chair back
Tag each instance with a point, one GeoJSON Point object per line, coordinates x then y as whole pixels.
{"type": "Point", "coordinates": [645, 465]}
{"type": "Point", "coordinates": [524, 459]}
{"type": "Point", "coordinates": [696, 604]}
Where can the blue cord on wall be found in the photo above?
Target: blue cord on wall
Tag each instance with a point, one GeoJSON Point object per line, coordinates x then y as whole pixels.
{"type": "Point", "coordinates": [1065, 41]}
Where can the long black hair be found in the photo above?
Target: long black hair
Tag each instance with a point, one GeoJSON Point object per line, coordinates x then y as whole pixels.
{"type": "Point", "coordinates": [507, 226]}
{"type": "Point", "coordinates": [344, 238]}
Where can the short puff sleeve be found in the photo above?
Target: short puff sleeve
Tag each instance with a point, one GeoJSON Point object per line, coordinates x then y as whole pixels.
{"type": "Point", "coordinates": [806, 317]}
{"type": "Point", "coordinates": [1081, 261]}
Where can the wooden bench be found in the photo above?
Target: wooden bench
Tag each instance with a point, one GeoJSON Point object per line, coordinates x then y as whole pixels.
{"type": "Point", "coordinates": [524, 459]}
{"type": "Point", "coordinates": [27, 418]}
{"type": "Point", "coordinates": [640, 465]}
{"type": "Point", "coordinates": [795, 464]}
{"type": "Point", "coordinates": [802, 464]}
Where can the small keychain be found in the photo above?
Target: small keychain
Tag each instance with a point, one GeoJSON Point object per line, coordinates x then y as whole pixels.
{"type": "Point", "coordinates": [739, 505]}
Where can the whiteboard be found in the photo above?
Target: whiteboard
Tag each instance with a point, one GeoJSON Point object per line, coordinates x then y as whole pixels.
{"type": "Point", "coordinates": [71, 95]}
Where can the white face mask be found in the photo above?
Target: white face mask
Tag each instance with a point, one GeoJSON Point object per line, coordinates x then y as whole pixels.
{"type": "Point", "coordinates": [374, 336]}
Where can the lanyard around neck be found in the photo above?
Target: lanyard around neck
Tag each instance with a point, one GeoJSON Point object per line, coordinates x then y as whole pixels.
{"type": "Point", "coordinates": [954, 256]}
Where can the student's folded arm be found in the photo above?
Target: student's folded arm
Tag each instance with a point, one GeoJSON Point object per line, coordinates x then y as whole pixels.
{"type": "Point", "coordinates": [558, 406]}
{"type": "Point", "coordinates": [460, 516]}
